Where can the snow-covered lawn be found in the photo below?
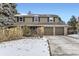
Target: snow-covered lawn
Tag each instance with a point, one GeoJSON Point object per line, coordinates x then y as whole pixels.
{"type": "Point", "coordinates": [24, 47]}
{"type": "Point", "coordinates": [74, 35]}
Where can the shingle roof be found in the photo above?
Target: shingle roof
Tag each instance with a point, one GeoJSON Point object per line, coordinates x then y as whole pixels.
{"type": "Point", "coordinates": [39, 15]}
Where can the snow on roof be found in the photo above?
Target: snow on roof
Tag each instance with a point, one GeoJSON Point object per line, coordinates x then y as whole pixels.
{"type": "Point", "coordinates": [41, 15]}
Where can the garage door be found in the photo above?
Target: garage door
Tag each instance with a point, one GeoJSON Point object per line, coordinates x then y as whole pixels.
{"type": "Point", "coordinates": [59, 31]}
{"type": "Point", "coordinates": [48, 30]}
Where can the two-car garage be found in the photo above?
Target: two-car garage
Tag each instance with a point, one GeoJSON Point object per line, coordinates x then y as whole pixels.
{"type": "Point", "coordinates": [55, 31]}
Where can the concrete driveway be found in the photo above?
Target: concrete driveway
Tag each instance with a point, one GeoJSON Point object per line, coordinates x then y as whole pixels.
{"type": "Point", "coordinates": [63, 45]}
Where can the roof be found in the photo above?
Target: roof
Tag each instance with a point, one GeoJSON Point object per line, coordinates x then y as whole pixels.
{"type": "Point", "coordinates": [39, 15]}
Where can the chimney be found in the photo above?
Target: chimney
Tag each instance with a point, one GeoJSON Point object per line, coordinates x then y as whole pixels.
{"type": "Point", "coordinates": [29, 12]}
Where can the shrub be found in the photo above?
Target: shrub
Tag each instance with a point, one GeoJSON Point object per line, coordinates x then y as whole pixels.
{"type": "Point", "coordinates": [40, 31]}
{"type": "Point", "coordinates": [26, 31]}
{"type": "Point", "coordinates": [10, 33]}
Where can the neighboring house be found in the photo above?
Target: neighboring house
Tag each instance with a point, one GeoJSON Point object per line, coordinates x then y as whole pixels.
{"type": "Point", "coordinates": [77, 25]}
{"type": "Point", "coordinates": [51, 24]}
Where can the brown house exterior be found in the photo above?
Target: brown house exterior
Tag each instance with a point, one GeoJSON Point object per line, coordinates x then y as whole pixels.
{"type": "Point", "coordinates": [50, 24]}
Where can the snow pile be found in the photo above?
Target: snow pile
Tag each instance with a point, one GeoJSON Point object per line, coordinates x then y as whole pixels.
{"type": "Point", "coordinates": [24, 47]}
{"type": "Point", "coordinates": [75, 36]}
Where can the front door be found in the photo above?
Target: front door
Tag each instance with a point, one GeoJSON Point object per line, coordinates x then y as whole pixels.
{"type": "Point", "coordinates": [33, 30]}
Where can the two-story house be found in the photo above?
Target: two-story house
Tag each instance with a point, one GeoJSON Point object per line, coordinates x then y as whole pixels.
{"type": "Point", "coordinates": [52, 24]}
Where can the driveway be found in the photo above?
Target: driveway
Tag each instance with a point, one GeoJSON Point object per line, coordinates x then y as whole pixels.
{"type": "Point", "coordinates": [63, 45]}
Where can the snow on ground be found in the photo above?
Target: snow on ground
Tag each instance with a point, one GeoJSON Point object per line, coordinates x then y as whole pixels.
{"type": "Point", "coordinates": [74, 35]}
{"type": "Point", "coordinates": [58, 45]}
{"type": "Point", "coordinates": [24, 47]}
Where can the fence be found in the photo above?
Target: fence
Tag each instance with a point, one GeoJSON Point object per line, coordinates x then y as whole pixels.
{"type": "Point", "coordinates": [10, 33]}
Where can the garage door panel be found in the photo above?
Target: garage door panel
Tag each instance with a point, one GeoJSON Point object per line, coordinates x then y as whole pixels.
{"type": "Point", "coordinates": [48, 30]}
{"type": "Point", "coordinates": [59, 30]}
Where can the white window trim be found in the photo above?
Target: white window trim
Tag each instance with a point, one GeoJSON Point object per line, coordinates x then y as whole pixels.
{"type": "Point", "coordinates": [50, 19]}
{"type": "Point", "coordinates": [20, 19]}
{"type": "Point", "coordinates": [36, 18]}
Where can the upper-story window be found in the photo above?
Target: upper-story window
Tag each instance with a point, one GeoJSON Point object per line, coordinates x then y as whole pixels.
{"type": "Point", "coordinates": [36, 19]}
{"type": "Point", "coordinates": [20, 19]}
{"type": "Point", "coordinates": [50, 19]}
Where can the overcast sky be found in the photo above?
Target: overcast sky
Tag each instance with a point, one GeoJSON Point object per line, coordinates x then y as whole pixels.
{"type": "Point", "coordinates": [65, 10]}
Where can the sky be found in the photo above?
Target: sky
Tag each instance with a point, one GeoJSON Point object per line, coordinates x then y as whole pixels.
{"type": "Point", "coordinates": [64, 10]}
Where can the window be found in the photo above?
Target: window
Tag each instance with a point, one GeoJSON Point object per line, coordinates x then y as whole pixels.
{"type": "Point", "coordinates": [21, 19]}
{"type": "Point", "coordinates": [36, 19]}
{"type": "Point", "coordinates": [50, 19]}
